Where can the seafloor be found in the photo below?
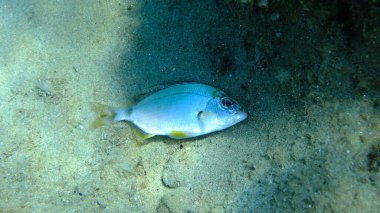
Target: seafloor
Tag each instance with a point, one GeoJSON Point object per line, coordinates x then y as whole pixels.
{"type": "Point", "coordinates": [308, 72]}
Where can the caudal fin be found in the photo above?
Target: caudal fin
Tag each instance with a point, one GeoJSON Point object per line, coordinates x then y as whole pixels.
{"type": "Point", "coordinates": [106, 115]}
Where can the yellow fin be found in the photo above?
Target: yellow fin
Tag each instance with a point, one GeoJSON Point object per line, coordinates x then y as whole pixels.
{"type": "Point", "coordinates": [98, 122]}
{"type": "Point", "coordinates": [105, 115]}
{"type": "Point", "coordinates": [143, 135]}
{"type": "Point", "coordinates": [178, 134]}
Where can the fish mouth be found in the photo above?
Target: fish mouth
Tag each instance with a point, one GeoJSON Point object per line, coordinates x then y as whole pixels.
{"type": "Point", "coordinates": [240, 116]}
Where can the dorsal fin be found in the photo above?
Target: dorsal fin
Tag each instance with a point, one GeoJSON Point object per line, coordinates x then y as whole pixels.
{"type": "Point", "coordinates": [151, 90]}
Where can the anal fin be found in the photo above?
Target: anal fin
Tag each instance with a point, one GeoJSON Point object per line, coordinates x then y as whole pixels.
{"type": "Point", "coordinates": [143, 135]}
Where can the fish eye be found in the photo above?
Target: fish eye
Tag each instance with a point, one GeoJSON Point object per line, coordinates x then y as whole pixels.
{"type": "Point", "coordinates": [227, 102]}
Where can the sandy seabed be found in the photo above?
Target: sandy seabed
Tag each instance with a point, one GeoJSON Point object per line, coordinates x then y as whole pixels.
{"type": "Point", "coordinates": [310, 84]}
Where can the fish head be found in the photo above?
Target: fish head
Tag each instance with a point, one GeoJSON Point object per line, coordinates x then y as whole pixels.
{"type": "Point", "coordinates": [226, 111]}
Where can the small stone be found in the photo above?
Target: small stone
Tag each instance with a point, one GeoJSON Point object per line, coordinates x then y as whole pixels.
{"type": "Point", "coordinates": [170, 179]}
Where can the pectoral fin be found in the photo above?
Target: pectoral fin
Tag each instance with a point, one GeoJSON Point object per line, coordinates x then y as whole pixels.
{"type": "Point", "coordinates": [205, 117]}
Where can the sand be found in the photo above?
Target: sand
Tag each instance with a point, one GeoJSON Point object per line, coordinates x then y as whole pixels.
{"type": "Point", "coordinates": [307, 72]}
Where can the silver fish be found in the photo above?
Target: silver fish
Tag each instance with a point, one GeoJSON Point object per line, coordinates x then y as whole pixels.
{"type": "Point", "coordinates": [180, 111]}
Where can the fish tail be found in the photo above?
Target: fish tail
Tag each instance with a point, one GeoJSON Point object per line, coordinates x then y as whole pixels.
{"type": "Point", "coordinates": [108, 115]}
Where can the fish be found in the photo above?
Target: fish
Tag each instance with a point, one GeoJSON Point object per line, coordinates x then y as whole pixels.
{"type": "Point", "coordinates": [180, 111]}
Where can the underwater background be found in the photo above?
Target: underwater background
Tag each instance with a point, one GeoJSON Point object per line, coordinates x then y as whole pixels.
{"type": "Point", "coordinates": [308, 72]}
